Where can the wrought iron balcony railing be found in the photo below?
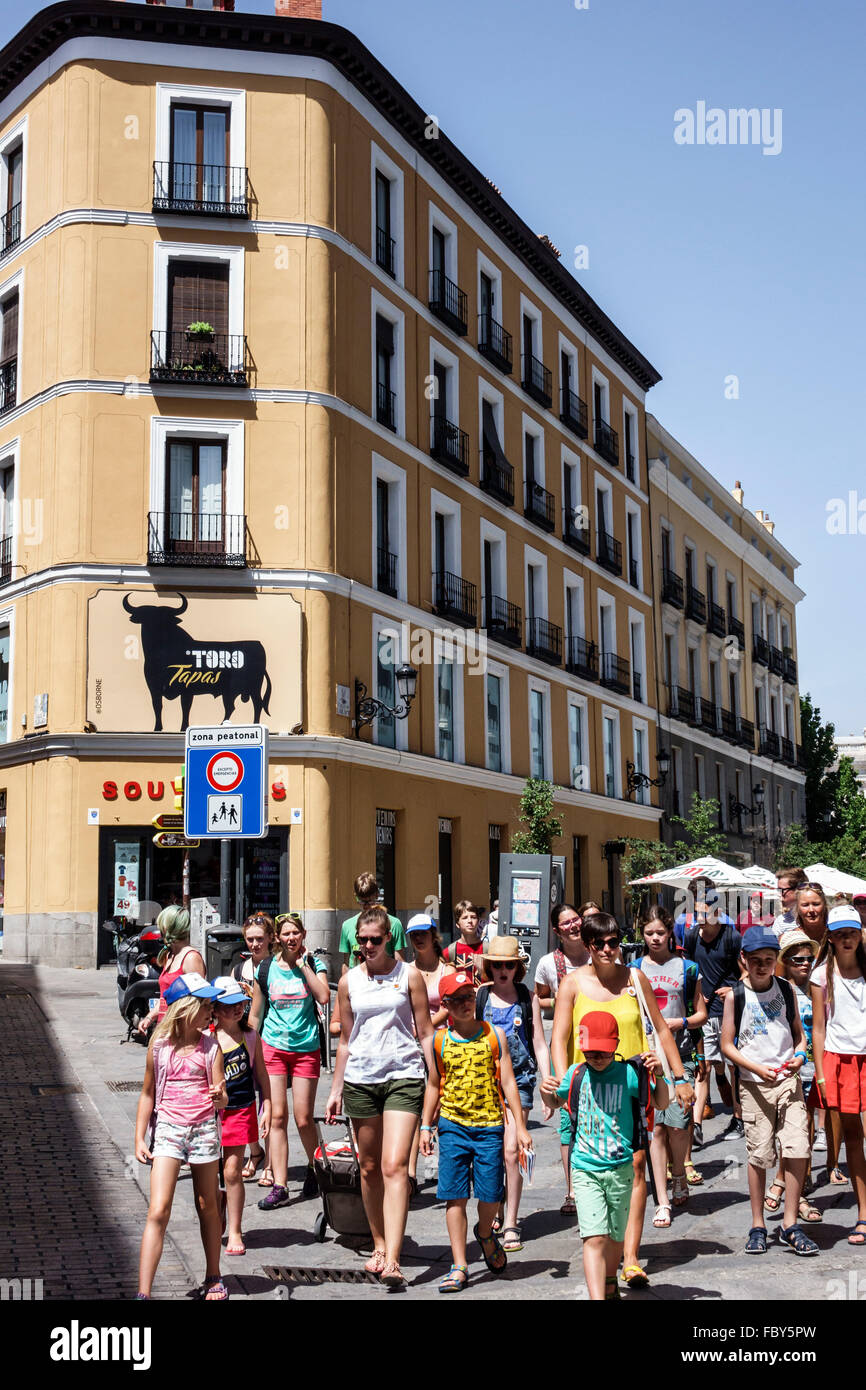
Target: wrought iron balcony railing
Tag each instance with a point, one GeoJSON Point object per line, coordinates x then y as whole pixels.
{"type": "Point", "coordinates": [448, 302]}
{"type": "Point", "coordinates": [197, 538]}
{"type": "Point", "coordinates": [192, 359]}
{"type": "Point", "coordinates": [494, 343]}
{"type": "Point", "coordinates": [207, 190]}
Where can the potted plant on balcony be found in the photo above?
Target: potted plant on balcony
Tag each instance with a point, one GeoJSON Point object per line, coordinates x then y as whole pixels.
{"type": "Point", "coordinates": [200, 332]}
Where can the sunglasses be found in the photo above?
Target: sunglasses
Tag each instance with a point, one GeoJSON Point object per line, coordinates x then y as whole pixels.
{"type": "Point", "coordinates": [611, 941]}
{"type": "Point", "coordinates": [370, 940]}
{"type": "Point", "coordinates": [288, 917]}
{"type": "Point", "coordinates": [505, 965]}
{"type": "Point", "coordinates": [799, 960]}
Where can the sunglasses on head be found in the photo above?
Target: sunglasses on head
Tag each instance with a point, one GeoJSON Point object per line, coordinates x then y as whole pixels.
{"type": "Point", "coordinates": [288, 917]}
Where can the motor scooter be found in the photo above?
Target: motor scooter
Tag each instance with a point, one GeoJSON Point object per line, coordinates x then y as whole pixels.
{"type": "Point", "coordinates": [137, 945]}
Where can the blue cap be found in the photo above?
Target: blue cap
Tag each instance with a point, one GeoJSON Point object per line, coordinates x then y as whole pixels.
{"type": "Point", "coordinates": [843, 918]}
{"type": "Point", "coordinates": [191, 983]}
{"type": "Point", "coordinates": [420, 922]}
{"type": "Point", "coordinates": [759, 939]}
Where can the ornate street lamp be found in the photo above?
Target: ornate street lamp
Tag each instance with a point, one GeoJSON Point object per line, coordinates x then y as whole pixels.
{"type": "Point", "coordinates": [635, 779]}
{"type": "Point", "coordinates": [367, 708]}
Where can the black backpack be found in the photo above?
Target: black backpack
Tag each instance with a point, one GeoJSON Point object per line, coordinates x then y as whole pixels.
{"type": "Point", "coordinates": [730, 936]}
{"type": "Point", "coordinates": [739, 993]}
{"type": "Point", "coordinates": [524, 998]}
{"type": "Point", "coordinates": [640, 1134]}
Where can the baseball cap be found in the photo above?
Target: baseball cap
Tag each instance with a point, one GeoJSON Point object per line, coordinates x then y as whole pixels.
{"type": "Point", "coordinates": [230, 991]}
{"type": "Point", "coordinates": [794, 937]}
{"type": "Point", "coordinates": [859, 898]}
{"type": "Point", "coordinates": [760, 939]}
{"type": "Point", "coordinates": [598, 1031]}
{"type": "Point", "coordinates": [843, 918]}
{"type": "Point", "coordinates": [450, 984]}
{"type": "Point", "coordinates": [195, 984]}
{"type": "Point", "coordinates": [420, 922]}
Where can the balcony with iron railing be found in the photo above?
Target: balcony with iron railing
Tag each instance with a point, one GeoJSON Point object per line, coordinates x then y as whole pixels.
{"type": "Point", "coordinates": [8, 385]}
{"type": "Point", "coordinates": [581, 658]}
{"type": "Point", "coordinates": [448, 302]}
{"type": "Point", "coordinates": [696, 605]}
{"type": "Point", "coordinates": [777, 661]}
{"type": "Point", "coordinates": [6, 560]}
{"type": "Point", "coordinates": [386, 252]}
{"type": "Point", "coordinates": [736, 629]}
{"type": "Point", "coordinates": [607, 442]}
{"type": "Point", "coordinates": [537, 380]}
{"type": "Point", "coordinates": [768, 742]}
{"type": "Point", "coordinates": [199, 359]}
{"type": "Point", "coordinates": [608, 551]}
{"type": "Point", "coordinates": [614, 673]}
{"type": "Point", "coordinates": [539, 506]}
{"type": "Point", "coordinates": [681, 703]}
{"type": "Point", "coordinates": [716, 619]}
{"type": "Point", "coordinates": [10, 229]}
{"type": "Point", "coordinates": [730, 731]}
{"type": "Point", "coordinates": [575, 529]}
{"type": "Point", "coordinates": [205, 190]}
{"type": "Point", "coordinates": [455, 598]}
{"type": "Point", "coordinates": [790, 672]}
{"type": "Point", "coordinates": [386, 406]}
{"type": "Point", "coordinates": [386, 572]}
{"type": "Point", "coordinates": [544, 640]}
{"type": "Point", "coordinates": [573, 413]}
{"type": "Point", "coordinates": [497, 478]}
{"type": "Point", "coordinates": [788, 754]}
{"type": "Point", "coordinates": [672, 588]}
{"type": "Point", "coordinates": [449, 445]}
{"type": "Point", "coordinates": [494, 343]}
{"type": "Point", "coordinates": [747, 733]}
{"type": "Point", "coordinates": [760, 650]}
{"type": "Point", "coordinates": [202, 539]}
{"type": "Point", "coordinates": [710, 716]}
{"type": "Point", "coordinates": [502, 620]}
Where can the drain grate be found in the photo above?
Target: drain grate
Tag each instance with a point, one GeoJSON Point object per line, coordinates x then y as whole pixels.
{"type": "Point", "coordinates": [317, 1274]}
{"type": "Point", "coordinates": [58, 1090]}
{"type": "Point", "coordinates": [123, 1085]}
{"type": "Point", "coordinates": [15, 992]}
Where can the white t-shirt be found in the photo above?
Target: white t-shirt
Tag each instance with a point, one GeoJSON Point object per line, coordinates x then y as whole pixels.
{"type": "Point", "coordinates": [784, 922]}
{"type": "Point", "coordinates": [545, 972]}
{"type": "Point", "coordinates": [765, 1034]}
{"type": "Point", "coordinates": [845, 1027]}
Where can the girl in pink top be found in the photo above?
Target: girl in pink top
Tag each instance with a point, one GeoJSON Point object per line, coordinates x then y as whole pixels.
{"type": "Point", "coordinates": [184, 1086]}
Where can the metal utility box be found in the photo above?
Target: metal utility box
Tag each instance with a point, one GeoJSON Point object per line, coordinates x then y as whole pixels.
{"type": "Point", "coordinates": [529, 886]}
{"type": "Point", "coordinates": [223, 947]}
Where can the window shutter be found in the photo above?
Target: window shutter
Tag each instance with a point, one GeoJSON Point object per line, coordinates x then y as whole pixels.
{"type": "Point", "coordinates": [9, 346]}
{"type": "Point", "coordinates": [198, 291]}
{"type": "Point", "coordinates": [384, 336]}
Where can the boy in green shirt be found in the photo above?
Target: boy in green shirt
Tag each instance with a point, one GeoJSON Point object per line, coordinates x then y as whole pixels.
{"type": "Point", "coordinates": [603, 1104]}
{"type": "Point", "coordinates": [367, 894]}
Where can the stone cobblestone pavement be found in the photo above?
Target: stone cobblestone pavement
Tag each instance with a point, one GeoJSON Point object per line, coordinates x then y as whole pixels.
{"type": "Point", "coordinates": [74, 1199]}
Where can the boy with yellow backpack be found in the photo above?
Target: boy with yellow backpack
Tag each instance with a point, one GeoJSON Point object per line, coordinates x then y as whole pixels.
{"type": "Point", "coordinates": [473, 1071]}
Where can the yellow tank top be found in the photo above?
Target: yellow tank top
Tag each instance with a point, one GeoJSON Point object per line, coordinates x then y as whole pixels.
{"type": "Point", "coordinates": [469, 1093]}
{"type": "Point", "coordinates": [625, 1010]}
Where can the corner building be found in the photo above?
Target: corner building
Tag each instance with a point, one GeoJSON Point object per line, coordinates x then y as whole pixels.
{"type": "Point", "coordinates": [289, 393]}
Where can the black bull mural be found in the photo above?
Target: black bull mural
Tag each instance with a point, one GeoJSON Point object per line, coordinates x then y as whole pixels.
{"type": "Point", "coordinates": [180, 667]}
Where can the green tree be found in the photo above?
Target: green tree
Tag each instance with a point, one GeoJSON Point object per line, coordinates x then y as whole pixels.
{"type": "Point", "coordinates": [822, 781]}
{"type": "Point", "coordinates": [701, 835]}
{"type": "Point", "coordinates": [536, 814]}
{"type": "Point", "coordinates": [642, 858]}
{"type": "Point", "coordinates": [797, 850]}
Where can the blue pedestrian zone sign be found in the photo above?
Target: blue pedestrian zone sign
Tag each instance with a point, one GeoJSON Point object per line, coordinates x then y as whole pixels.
{"type": "Point", "coordinates": [226, 786]}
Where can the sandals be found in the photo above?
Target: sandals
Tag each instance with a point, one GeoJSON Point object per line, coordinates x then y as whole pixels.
{"type": "Point", "coordinates": [392, 1276]}
{"type": "Point", "coordinates": [497, 1260]}
{"type": "Point", "coordinates": [376, 1262]}
{"type": "Point", "coordinates": [455, 1280]}
{"type": "Point", "coordinates": [662, 1216]}
{"type": "Point", "coordinates": [252, 1166]}
{"type": "Point", "coordinates": [214, 1290]}
{"type": "Point", "coordinates": [611, 1289]}
{"type": "Point", "coordinates": [679, 1189]}
{"type": "Point", "coordinates": [757, 1242]}
{"type": "Point", "coordinates": [772, 1203]}
{"type": "Point", "coordinates": [568, 1208]}
{"type": "Point", "coordinates": [806, 1212]}
{"type": "Point", "coordinates": [236, 1249]}
{"type": "Point", "coordinates": [635, 1277]}
{"type": "Point", "coordinates": [511, 1241]}
{"type": "Point", "coordinates": [857, 1237]}
{"type": "Point", "coordinates": [267, 1178]}
{"type": "Point", "coordinates": [798, 1241]}
{"type": "Point", "coordinates": [693, 1177]}
{"type": "Point", "coordinates": [837, 1177]}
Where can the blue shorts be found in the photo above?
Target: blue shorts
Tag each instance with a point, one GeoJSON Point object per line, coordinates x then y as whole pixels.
{"type": "Point", "coordinates": [468, 1149]}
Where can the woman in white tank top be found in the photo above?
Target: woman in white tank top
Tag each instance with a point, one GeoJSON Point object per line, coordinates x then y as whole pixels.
{"type": "Point", "coordinates": [379, 1081]}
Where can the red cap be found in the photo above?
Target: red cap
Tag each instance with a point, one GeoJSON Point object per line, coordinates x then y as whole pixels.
{"type": "Point", "coordinates": [598, 1032]}
{"type": "Point", "coordinates": [461, 979]}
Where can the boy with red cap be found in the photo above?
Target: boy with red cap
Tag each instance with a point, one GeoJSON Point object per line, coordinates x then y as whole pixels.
{"type": "Point", "coordinates": [473, 1070]}
{"type": "Point", "coordinates": [606, 1101]}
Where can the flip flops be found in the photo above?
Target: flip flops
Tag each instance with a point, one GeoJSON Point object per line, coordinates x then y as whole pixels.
{"type": "Point", "coordinates": [693, 1177]}
{"type": "Point", "coordinates": [635, 1277]}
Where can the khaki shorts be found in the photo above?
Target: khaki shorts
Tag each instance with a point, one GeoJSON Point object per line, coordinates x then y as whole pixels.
{"type": "Point", "coordinates": [365, 1102]}
{"type": "Point", "coordinates": [774, 1112]}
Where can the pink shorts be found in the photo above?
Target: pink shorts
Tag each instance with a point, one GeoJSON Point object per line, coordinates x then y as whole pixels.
{"type": "Point", "coordinates": [240, 1126]}
{"type": "Point", "coordinates": [291, 1064]}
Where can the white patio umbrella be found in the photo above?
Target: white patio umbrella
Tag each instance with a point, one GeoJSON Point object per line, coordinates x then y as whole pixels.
{"type": "Point", "coordinates": [834, 880]}
{"type": "Point", "coordinates": [763, 879]}
{"type": "Point", "coordinates": [681, 875]}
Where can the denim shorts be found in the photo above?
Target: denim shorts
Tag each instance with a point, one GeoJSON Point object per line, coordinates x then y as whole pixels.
{"type": "Point", "coordinates": [466, 1150]}
{"type": "Point", "coordinates": [198, 1143]}
{"type": "Point", "coordinates": [525, 1071]}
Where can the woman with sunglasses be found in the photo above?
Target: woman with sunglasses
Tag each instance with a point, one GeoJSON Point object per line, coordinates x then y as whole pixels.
{"type": "Point", "coordinates": [606, 983]}
{"type": "Point", "coordinates": [259, 936]}
{"type": "Point", "coordinates": [289, 986]}
{"type": "Point", "coordinates": [505, 1002]}
{"type": "Point", "coordinates": [810, 911]}
{"type": "Point", "coordinates": [379, 1081]}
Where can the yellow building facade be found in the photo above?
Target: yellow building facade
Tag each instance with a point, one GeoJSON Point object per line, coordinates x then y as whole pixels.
{"type": "Point", "coordinates": [290, 395]}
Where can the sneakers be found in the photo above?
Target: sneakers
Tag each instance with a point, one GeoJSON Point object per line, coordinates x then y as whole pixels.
{"type": "Point", "coordinates": [277, 1197]}
{"type": "Point", "coordinates": [311, 1186]}
{"type": "Point", "coordinates": [797, 1240]}
{"type": "Point", "coordinates": [734, 1130]}
{"type": "Point", "coordinates": [820, 1144]}
{"type": "Point", "coordinates": [698, 1137]}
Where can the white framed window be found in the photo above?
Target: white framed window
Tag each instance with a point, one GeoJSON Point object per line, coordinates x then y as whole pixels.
{"type": "Point", "coordinates": [569, 378]}
{"type": "Point", "coordinates": [10, 522]}
{"type": "Point", "coordinates": [533, 450]}
{"type": "Point", "coordinates": [630, 444]}
{"type": "Point", "coordinates": [578, 743]}
{"type": "Point", "coordinates": [700, 787]}
{"type": "Point", "coordinates": [575, 622]}
{"type": "Point", "coordinates": [497, 717]}
{"type": "Point", "coordinates": [535, 593]}
{"type": "Point", "coordinates": [386, 204]}
{"type": "Point", "coordinates": [445, 539]}
{"type": "Point", "coordinates": [224, 145]}
{"type": "Point", "coordinates": [531, 342]}
{"type": "Point", "coordinates": [387, 655]}
{"type": "Point", "coordinates": [671, 650]}
{"type": "Point", "coordinates": [574, 512]}
{"type": "Point", "coordinates": [611, 751]}
{"type": "Point", "coordinates": [13, 164]}
{"type": "Point", "coordinates": [690, 566]}
{"type": "Point", "coordinates": [637, 656]}
{"type": "Point", "coordinates": [640, 746]}
{"type": "Point", "coordinates": [489, 288]}
{"type": "Point", "coordinates": [603, 508]}
{"type": "Point", "coordinates": [387, 352]}
{"type": "Point", "coordinates": [7, 630]}
{"type": "Point", "coordinates": [606, 619]}
{"type": "Point", "coordinates": [600, 398]}
{"type": "Point", "coordinates": [166, 431]}
{"type": "Point", "coordinates": [539, 729]}
{"type": "Point", "coordinates": [668, 551]}
{"type": "Point", "coordinates": [444, 385]}
{"type": "Point", "coordinates": [448, 675]}
{"type": "Point", "coordinates": [167, 254]}
{"type": "Point", "coordinates": [442, 249]}
{"type": "Point", "coordinates": [693, 664]}
{"type": "Point", "coordinates": [389, 521]}
{"type": "Point", "coordinates": [494, 569]}
{"type": "Point", "coordinates": [634, 545]}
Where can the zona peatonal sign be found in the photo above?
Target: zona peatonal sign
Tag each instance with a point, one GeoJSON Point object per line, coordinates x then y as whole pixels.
{"type": "Point", "coordinates": [226, 783]}
{"type": "Point", "coordinates": [157, 660]}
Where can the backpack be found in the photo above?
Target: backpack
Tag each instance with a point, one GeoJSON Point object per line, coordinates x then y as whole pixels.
{"type": "Point", "coordinates": [561, 964]}
{"type": "Point", "coordinates": [262, 975]}
{"type": "Point", "coordinates": [640, 1135]}
{"type": "Point", "coordinates": [739, 993]}
{"type": "Point", "coordinates": [495, 1043]}
{"type": "Point", "coordinates": [524, 999]}
{"type": "Point", "coordinates": [730, 936]}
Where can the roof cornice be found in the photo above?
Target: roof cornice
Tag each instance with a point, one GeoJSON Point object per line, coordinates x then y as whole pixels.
{"type": "Point", "coordinates": [331, 43]}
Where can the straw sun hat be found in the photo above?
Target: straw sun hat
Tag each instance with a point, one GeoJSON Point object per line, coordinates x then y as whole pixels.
{"type": "Point", "coordinates": [504, 948]}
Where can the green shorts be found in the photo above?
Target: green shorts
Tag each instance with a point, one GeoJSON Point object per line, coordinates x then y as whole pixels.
{"type": "Point", "coordinates": [673, 1116]}
{"type": "Point", "coordinates": [403, 1093]}
{"type": "Point", "coordinates": [602, 1200]}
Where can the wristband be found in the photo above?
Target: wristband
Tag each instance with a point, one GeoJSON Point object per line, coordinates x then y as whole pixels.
{"type": "Point", "coordinates": [428, 1129]}
{"type": "Point", "coordinates": [819, 1081]}
{"type": "Point", "coordinates": [801, 1054]}
{"type": "Point", "coordinates": [681, 1081]}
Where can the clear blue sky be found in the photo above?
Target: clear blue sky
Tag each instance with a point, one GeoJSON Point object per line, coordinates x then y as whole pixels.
{"type": "Point", "coordinates": [712, 259]}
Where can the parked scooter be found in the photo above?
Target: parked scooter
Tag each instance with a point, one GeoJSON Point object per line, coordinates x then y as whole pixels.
{"type": "Point", "coordinates": [137, 947]}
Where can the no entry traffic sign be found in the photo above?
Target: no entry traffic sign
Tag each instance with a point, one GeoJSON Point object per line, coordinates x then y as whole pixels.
{"type": "Point", "coordinates": [226, 771]}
